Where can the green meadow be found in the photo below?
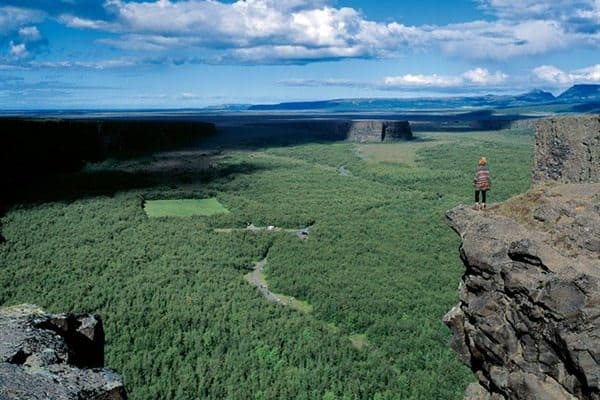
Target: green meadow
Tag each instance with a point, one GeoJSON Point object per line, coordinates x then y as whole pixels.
{"type": "Point", "coordinates": [377, 271]}
{"type": "Point", "coordinates": [183, 207]}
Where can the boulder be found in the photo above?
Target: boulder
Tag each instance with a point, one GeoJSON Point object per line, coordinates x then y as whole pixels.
{"type": "Point", "coordinates": [45, 356]}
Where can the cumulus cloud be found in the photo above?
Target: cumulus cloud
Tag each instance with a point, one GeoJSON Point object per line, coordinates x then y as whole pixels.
{"type": "Point", "coordinates": [303, 31]}
{"type": "Point", "coordinates": [30, 34]}
{"type": "Point", "coordinates": [478, 78]}
{"type": "Point", "coordinates": [481, 76]}
{"type": "Point", "coordinates": [13, 18]}
{"type": "Point", "coordinates": [471, 78]}
{"type": "Point", "coordinates": [16, 30]}
{"type": "Point", "coordinates": [574, 15]}
{"type": "Point", "coordinates": [18, 50]}
{"type": "Point", "coordinates": [556, 76]}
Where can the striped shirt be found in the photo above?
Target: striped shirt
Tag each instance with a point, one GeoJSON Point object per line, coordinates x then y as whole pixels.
{"type": "Point", "coordinates": [482, 180]}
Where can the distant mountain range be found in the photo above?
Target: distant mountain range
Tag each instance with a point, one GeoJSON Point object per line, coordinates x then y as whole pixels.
{"type": "Point", "coordinates": [577, 94]}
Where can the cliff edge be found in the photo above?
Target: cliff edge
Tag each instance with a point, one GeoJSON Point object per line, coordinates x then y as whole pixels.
{"type": "Point", "coordinates": [528, 320]}
{"type": "Point", "coordinates": [60, 357]}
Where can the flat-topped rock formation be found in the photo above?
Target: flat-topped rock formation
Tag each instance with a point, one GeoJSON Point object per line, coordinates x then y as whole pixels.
{"type": "Point", "coordinates": [57, 357]}
{"type": "Point", "coordinates": [339, 129]}
{"type": "Point", "coordinates": [374, 130]}
{"type": "Point", "coordinates": [528, 320]}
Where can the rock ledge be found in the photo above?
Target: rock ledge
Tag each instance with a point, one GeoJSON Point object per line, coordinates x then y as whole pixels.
{"type": "Point", "coordinates": [528, 321]}
{"type": "Point", "coordinates": [59, 356]}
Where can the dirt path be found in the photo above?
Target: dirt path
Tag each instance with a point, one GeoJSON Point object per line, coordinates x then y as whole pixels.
{"type": "Point", "coordinates": [343, 171]}
{"type": "Point", "coordinates": [301, 233]}
{"type": "Point", "coordinates": [257, 278]}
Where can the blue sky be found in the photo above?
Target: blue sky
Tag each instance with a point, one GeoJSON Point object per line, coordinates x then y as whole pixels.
{"type": "Point", "coordinates": [194, 53]}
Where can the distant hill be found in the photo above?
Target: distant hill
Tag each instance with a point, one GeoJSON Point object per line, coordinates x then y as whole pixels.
{"type": "Point", "coordinates": [581, 93]}
{"type": "Point", "coordinates": [534, 97]}
{"type": "Point", "coordinates": [582, 98]}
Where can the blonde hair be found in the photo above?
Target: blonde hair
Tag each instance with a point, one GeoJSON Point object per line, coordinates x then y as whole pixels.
{"type": "Point", "coordinates": [482, 161]}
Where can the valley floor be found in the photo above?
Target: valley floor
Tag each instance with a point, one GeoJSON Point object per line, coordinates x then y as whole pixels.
{"type": "Point", "coordinates": [378, 271]}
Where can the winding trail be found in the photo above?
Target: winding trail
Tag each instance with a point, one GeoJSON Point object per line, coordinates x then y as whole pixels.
{"type": "Point", "coordinates": [343, 171]}
{"type": "Point", "coordinates": [257, 278]}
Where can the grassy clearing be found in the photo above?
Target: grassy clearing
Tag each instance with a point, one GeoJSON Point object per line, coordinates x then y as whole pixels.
{"type": "Point", "coordinates": [184, 208]}
{"type": "Point", "coordinates": [400, 153]}
{"type": "Point", "coordinates": [407, 153]}
{"type": "Point", "coordinates": [359, 340]}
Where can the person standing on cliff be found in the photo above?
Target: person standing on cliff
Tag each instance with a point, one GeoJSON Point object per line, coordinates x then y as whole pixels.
{"type": "Point", "coordinates": [482, 182]}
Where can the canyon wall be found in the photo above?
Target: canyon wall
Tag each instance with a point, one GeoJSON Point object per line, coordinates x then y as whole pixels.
{"type": "Point", "coordinates": [31, 147]}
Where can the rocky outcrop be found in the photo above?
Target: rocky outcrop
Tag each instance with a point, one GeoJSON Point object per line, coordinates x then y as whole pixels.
{"type": "Point", "coordinates": [528, 321]}
{"type": "Point", "coordinates": [60, 356]}
{"type": "Point", "coordinates": [374, 130]}
{"type": "Point", "coordinates": [567, 149]}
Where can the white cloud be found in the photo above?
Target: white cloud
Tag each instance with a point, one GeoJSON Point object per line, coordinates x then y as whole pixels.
{"type": "Point", "coordinates": [535, 9]}
{"type": "Point", "coordinates": [30, 34]}
{"type": "Point", "coordinates": [558, 77]}
{"type": "Point", "coordinates": [13, 18]}
{"type": "Point", "coordinates": [73, 21]}
{"type": "Point", "coordinates": [475, 77]}
{"type": "Point", "coordinates": [294, 30]}
{"type": "Point", "coordinates": [301, 31]}
{"type": "Point", "coordinates": [502, 40]}
{"type": "Point", "coordinates": [18, 50]}
{"type": "Point", "coordinates": [422, 80]}
{"type": "Point", "coordinates": [481, 76]}
{"type": "Point", "coordinates": [302, 82]}
{"type": "Point", "coordinates": [98, 64]}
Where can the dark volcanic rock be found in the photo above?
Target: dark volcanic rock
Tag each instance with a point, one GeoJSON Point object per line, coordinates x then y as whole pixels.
{"type": "Point", "coordinates": [528, 321]}
{"type": "Point", "coordinates": [394, 130]}
{"type": "Point", "coordinates": [54, 357]}
{"type": "Point", "coordinates": [374, 130]}
{"type": "Point", "coordinates": [567, 150]}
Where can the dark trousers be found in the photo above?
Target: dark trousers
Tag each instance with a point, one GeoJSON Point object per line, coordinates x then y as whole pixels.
{"type": "Point", "coordinates": [483, 192]}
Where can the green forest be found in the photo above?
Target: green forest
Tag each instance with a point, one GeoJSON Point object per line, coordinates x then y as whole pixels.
{"type": "Point", "coordinates": [379, 266]}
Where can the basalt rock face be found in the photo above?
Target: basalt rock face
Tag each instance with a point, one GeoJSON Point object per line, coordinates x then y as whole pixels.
{"type": "Point", "coordinates": [60, 356]}
{"type": "Point", "coordinates": [374, 130]}
{"type": "Point", "coordinates": [352, 130]}
{"type": "Point", "coordinates": [528, 321]}
{"type": "Point", "coordinates": [567, 150]}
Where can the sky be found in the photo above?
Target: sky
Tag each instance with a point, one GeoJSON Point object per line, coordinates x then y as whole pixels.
{"type": "Point", "coordinates": [126, 54]}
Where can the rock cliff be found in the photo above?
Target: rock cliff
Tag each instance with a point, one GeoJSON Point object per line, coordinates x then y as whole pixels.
{"type": "Point", "coordinates": [568, 149]}
{"type": "Point", "coordinates": [351, 130]}
{"type": "Point", "coordinates": [528, 321]}
{"type": "Point", "coordinates": [374, 130]}
{"type": "Point", "coordinates": [54, 357]}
